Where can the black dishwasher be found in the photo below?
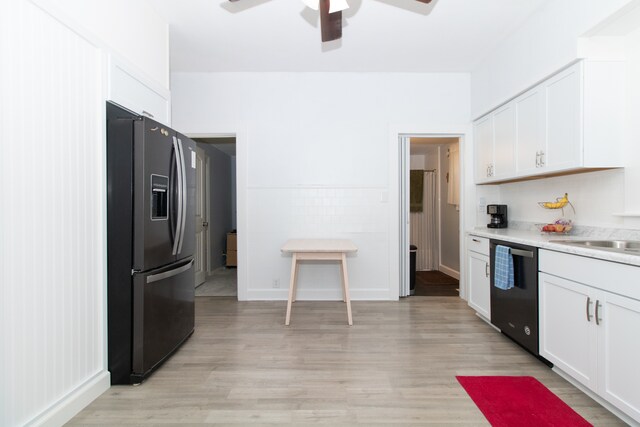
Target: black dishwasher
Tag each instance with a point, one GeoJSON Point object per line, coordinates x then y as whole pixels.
{"type": "Point", "coordinates": [515, 311]}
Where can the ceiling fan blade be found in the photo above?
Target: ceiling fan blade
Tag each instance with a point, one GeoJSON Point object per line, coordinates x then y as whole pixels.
{"type": "Point", "coordinates": [330, 23]}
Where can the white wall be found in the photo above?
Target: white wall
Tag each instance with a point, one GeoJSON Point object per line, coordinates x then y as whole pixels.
{"type": "Point", "coordinates": [132, 29]}
{"type": "Point", "coordinates": [52, 249]}
{"type": "Point", "coordinates": [318, 163]}
{"type": "Point", "coordinates": [547, 42]}
{"type": "Point", "coordinates": [550, 40]}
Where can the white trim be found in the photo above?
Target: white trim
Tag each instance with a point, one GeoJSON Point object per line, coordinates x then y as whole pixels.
{"type": "Point", "coordinates": [240, 133]}
{"type": "Point", "coordinates": [75, 401]}
{"type": "Point", "coordinates": [449, 271]}
{"type": "Point", "coordinates": [281, 294]}
{"type": "Point", "coordinates": [395, 132]}
{"type": "Point", "coordinates": [207, 195]}
{"type": "Point", "coordinates": [439, 200]}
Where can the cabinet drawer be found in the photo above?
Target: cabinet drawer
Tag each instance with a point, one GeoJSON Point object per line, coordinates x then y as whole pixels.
{"type": "Point", "coordinates": [621, 279]}
{"type": "Point", "coordinates": [478, 244]}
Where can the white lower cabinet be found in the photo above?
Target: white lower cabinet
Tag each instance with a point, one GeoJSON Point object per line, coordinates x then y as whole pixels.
{"type": "Point", "coordinates": [478, 268]}
{"type": "Point", "coordinates": [568, 338]}
{"type": "Point", "coordinates": [591, 334]}
{"type": "Point", "coordinates": [619, 380]}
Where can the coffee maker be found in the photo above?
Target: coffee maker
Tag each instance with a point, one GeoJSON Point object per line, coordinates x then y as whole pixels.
{"type": "Point", "coordinates": [498, 216]}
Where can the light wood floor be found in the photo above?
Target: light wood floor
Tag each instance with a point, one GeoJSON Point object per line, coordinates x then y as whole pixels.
{"type": "Point", "coordinates": [395, 366]}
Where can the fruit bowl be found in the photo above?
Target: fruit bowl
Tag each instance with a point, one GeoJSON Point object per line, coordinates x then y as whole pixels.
{"type": "Point", "coordinates": [559, 226]}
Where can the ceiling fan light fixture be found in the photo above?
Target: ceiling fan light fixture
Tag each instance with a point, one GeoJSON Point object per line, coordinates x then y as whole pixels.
{"type": "Point", "coordinates": [338, 5]}
{"type": "Point", "coordinates": [312, 4]}
{"type": "Point", "coordinates": [334, 5]}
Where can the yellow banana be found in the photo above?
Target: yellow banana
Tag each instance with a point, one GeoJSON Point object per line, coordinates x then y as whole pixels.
{"type": "Point", "coordinates": [560, 202]}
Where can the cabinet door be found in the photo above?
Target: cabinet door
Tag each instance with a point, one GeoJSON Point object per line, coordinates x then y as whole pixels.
{"type": "Point", "coordinates": [563, 120]}
{"type": "Point", "coordinates": [504, 141]}
{"type": "Point", "coordinates": [568, 334]}
{"type": "Point", "coordinates": [483, 143]}
{"type": "Point", "coordinates": [530, 138]}
{"type": "Point", "coordinates": [131, 90]}
{"type": "Point", "coordinates": [479, 291]}
{"type": "Point", "coordinates": [619, 352]}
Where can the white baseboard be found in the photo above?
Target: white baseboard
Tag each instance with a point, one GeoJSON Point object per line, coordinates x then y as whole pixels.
{"type": "Point", "coordinates": [317, 294]}
{"type": "Point", "coordinates": [75, 401]}
{"type": "Point", "coordinates": [449, 271]}
{"type": "Point", "coordinates": [615, 411]}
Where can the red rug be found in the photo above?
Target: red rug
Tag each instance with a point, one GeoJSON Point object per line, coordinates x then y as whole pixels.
{"type": "Point", "coordinates": [519, 401]}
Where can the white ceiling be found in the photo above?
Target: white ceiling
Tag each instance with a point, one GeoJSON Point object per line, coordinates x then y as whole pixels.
{"type": "Point", "coordinates": [379, 35]}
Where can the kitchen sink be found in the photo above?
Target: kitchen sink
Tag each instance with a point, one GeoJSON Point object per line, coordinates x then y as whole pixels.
{"type": "Point", "coordinates": [622, 246]}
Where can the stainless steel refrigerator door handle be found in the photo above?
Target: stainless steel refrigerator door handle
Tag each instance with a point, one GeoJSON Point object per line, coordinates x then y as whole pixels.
{"type": "Point", "coordinates": [518, 252]}
{"type": "Point", "coordinates": [183, 223]}
{"type": "Point", "coordinates": [176, 237]}
{"type": "Point", "coordinates": [161, 276]}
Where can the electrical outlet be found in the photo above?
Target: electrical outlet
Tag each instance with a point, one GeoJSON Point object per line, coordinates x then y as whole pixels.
{"type": "Point", "coordinates": [482, 205]}
{"type": "Point", "coordinates": [275, 284]}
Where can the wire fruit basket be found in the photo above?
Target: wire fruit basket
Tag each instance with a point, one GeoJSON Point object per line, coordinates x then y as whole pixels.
{"type": "Point", "coordinates": [560, 225]}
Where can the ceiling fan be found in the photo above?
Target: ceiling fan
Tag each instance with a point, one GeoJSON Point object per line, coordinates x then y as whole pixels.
{"type": "Point", "coordinates": [331, 16]}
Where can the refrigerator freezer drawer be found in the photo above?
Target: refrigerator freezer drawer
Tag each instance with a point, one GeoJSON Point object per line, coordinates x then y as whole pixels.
{"type": "Point", "coordinates": [163, 315]}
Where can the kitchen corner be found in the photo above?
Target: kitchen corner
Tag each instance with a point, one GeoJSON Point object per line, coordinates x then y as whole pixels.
{"type": "Point", "coordinates": [588, 304]}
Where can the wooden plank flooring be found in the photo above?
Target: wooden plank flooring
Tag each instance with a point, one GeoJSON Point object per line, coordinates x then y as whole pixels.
{"type": "Point", "coordinates": [396, 365]}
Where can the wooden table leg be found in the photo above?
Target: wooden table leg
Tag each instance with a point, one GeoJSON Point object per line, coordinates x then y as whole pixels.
{"type": "Point", "coordinates": [292, 284]}
{"type": "Point", "coordinates": [295, 281]}
{"type": "Point", "coordinates": [345, 284]}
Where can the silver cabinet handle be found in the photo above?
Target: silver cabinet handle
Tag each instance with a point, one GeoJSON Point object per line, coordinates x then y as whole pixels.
{"type": "Point", "coordinates": [542, 159]}
{"type": "Point", "coordinates": [486, 269]}
{"type": "Point", "coordinates": [598, 318]}
{"type": "Point", "coordinates": [148, 114]}
{"type": "Point", "coordinates": [476, 240]}
{"type": "Point", "coordinates": [537, 159]}
{"type": "Point", "coordinates": [589, 316]}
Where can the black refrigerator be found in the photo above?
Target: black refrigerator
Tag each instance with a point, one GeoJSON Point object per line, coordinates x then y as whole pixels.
{"type": "Point", "coordinates": [150, 243]}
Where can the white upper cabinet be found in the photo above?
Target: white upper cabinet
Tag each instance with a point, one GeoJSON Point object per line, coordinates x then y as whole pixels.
{"type": "Point", "coordinates": [530, 131]}
{"type": "Point", "coordinates": [563, 120]}
{"type": "Point", "coordinates": [504, 143]}
{"type": "Point", "coordinates": [132, 90]}
{"type": "Point", "coordinates": [483, 137]}
{"type": "Point", "coordinates": [572, 121]}
{"type": "Point", "coordinates": [495, 144]}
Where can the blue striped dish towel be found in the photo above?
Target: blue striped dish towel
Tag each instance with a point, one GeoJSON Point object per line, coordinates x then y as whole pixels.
{"type": "Point", "coordinates": [503, 269]}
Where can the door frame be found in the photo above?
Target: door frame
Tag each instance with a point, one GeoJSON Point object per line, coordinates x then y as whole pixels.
{"type": "Point", "coordinates": [399, 201]}
{"type": "Point", "coordinates": [206, 263]}
{"type": "Point", "coordinates": [239, 132]}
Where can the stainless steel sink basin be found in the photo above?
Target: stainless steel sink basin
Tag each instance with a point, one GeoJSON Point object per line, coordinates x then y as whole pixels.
{"type": "Point", "coordinates": [622, 246]}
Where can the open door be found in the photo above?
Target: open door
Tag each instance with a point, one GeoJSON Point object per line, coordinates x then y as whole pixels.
{"type": "Point", "coordinates": [202, 223]}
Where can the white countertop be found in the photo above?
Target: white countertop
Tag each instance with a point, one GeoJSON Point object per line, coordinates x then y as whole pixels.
{"type": "Point", "coordinates": [543, 241]}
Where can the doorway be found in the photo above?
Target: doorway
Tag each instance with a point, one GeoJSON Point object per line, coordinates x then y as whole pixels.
{"type": "Point", "coordinates": [218, 171]}
{"type": "Point", "coordinates": [432, 171]}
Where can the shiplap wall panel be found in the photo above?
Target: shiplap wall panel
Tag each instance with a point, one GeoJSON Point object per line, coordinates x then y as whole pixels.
{"type": "Point", "coordinates": [52, 216]}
